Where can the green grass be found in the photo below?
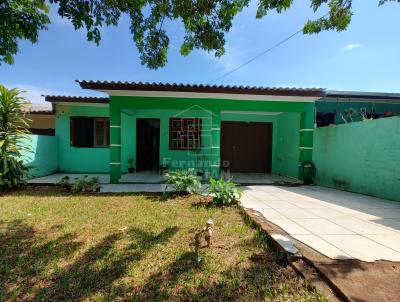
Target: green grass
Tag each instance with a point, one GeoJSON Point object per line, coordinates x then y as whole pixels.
{"type": "Point", "coordinates": [60, 247]}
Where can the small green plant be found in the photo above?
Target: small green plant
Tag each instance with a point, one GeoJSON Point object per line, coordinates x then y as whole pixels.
{"type": "Point", "coordinates": [163, 169]}
{"type": "Point", "coordinates": [131, 165]}
{"type": "Point", "coordinates": [85, 185]}
{"type": "Point", "coordinates": [184, 181]}
{"type": "Point", "coordinates": [224, 193]}
{"type": "Point", "coordinates": [308, 171]}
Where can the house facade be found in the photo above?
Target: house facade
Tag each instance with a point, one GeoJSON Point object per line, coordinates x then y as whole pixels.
{"type": "Point", "coordinates": [209, 128]}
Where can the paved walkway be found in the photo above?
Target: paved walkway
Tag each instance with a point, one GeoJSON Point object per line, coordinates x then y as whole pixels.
{"type": "Point", "coordinates": [338, 224]}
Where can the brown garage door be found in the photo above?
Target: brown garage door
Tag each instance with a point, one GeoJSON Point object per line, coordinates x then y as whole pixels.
{"type": "Point", "coordinates": [247, 147]}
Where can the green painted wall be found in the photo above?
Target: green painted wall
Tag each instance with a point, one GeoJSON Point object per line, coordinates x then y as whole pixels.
{"type": "Point", "coordinates": [72, 159]}
{"type": "Point", "coordinates": [43, 154]}
{"type": "Point", "coordinates": [362, 157]}
{"type": "Point", "coordinates": [287, 144]}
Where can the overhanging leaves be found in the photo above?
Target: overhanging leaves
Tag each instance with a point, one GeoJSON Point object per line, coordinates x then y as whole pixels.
{"type": "Point", "coordinates": [205, 21]}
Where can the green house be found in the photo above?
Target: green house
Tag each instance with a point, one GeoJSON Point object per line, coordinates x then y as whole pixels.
{"type": "Point", "coordinates": [213, 129]}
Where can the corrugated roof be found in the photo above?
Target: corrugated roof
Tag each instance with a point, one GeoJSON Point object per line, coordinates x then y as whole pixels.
{"type": "Point", "coordinates": [38, 109]}
{"type": "Point", "coordinates": [146, 86]}
{"type": "Point", "coordinates": [363, 95]}
{"type": "Point", "coordinates": [76, 99]}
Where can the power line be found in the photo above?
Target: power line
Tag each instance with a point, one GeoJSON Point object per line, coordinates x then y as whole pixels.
{"type": "Point", "coordinates": [260, 54]}
{"type": "Point", "coordinates": [256, 57]}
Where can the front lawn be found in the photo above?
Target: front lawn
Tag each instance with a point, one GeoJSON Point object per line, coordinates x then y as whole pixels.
{"type": "Point", "coordinates": [55, 246]}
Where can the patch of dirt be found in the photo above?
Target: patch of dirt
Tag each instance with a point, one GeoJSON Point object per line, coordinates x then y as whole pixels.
{"type": "Point", "coordinates": [363, 282]}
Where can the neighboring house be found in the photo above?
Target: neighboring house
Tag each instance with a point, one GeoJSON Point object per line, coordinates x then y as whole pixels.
{"type": "Point", "coordinates": [339, 107]}
{"type": "Point", "coordinates": [41, 119]}
{"type": "Point", "coordinates": [241, 129]}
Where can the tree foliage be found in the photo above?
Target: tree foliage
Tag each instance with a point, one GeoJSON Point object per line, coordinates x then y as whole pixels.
{"type": "Point", "coordinates": [205, 21]}
{"type": "Point", "coordinates": [13, 127]}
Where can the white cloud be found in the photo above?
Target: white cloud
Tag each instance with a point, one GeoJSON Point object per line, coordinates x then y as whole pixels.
{"type": "Point", "coordinates": [351, 46]}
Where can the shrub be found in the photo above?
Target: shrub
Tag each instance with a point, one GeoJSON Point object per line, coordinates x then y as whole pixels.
{"type": "Point", "coordinates": [225, 192]}
{"type": "Point", "coordinates": [85, 185]}
{"type": "Point", "coordinates": [12, 173]}
{"type": "Point", "coordinates": [80, 184]}
{"type": "Point", "coordinates": [13, 127]}
{"type": "Point", "coordinates": [184, 181]}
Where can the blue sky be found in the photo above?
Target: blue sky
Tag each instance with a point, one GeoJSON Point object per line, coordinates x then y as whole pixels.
{"type": "Point", "coordinates": [365, 57]}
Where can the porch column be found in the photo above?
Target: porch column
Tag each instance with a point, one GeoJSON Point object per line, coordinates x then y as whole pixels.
{"type": "Point", "coordinates": [216, 143]}
{"type": "Point", "coordinates": [307, 120]}
{"type": "Point", "coordinates": [115, 144]}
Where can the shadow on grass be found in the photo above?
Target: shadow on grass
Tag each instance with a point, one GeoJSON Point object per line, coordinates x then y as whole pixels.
{"type": "Point", "coordinates": [263, 279]}
{"type": "Point", "coordinates": [26, 255]}
{"type": "Point", "coordinates": [206, 203]}
{"type": "Point", "coordinates": [27, 262]}
{"type": "Point", "coordinates": [102, 264]}
{"type": "Point", "coordinates": [159, 285]}
{"type": "Point", "coordinates": [36, 190]}
{"type": "Point", "coordinates": [54, 190]}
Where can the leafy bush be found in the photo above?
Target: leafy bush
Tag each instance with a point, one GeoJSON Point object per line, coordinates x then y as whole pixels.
{"type": "Point", "coordinates": [225, 192]}
{"type": "Point", "coordinates": [12, 173]}
{"type": "Point", "coordinates": [184, 181]}
{"type": "Point", "coordinates": [85, 185]}
{"type": "Point", "coordinates": [80, 184]}
{"type": "Point", "coordinates": [13, 127]}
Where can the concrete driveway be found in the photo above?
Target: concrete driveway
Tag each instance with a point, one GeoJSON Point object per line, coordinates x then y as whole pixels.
{"type": "Point", "coordinates": [338, 224]}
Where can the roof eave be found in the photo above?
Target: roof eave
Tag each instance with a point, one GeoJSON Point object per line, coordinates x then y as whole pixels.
{"type": "Point", "coordinates": [363, 95]}
{"type": "Point", "coordinates": [108, 87]}
{"type": "Point", "coordinates": [55, 99]}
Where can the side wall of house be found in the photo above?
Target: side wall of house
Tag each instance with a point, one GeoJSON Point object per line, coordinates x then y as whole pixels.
{"type": "Point", "coordinates": [41, 154]}
{"type": "Point", "coordinates": [73, 159]}
{"type": "Point", "coordinates": [362, 157]}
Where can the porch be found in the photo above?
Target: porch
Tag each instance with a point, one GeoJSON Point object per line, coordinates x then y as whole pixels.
{"type": "Point", "coordinates": [251, 145]}
{"type": "Point", "coordinates": [151, 177]}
